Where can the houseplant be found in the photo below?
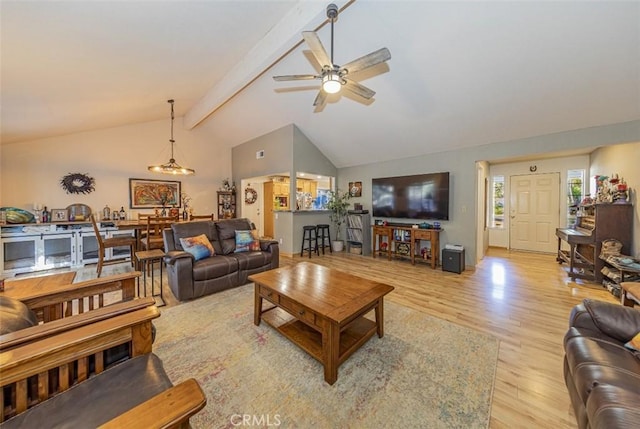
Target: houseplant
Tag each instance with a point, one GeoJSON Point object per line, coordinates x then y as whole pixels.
{"type": "Point", "coordinates": [338, 203]}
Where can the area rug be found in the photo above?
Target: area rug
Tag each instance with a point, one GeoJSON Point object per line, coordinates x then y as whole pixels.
{"type": "Point", "coordinates": [424, 373]}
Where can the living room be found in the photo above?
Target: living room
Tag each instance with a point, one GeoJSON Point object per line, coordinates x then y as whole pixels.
{"type": "Point", "coordinates": [595, 117]}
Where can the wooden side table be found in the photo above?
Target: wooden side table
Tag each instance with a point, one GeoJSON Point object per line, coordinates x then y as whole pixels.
{"type": "Point", "coordinates": [144, 258]}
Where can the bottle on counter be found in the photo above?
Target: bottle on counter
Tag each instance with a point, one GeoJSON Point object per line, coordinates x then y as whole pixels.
{"type": "Point", "coordinates": [106, 213]}
{"type": "Point", "coordinates": [115, 215]}
{"type": "Point", "coordinates": [123, 215]}
{"type": "Point", "coordinates": [45, 215]}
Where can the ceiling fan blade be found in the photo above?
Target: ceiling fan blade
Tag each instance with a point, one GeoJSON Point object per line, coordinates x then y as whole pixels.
{"type": "Point", "coordinates": [318, 50]}
{"type": "Point", "coordinates": [369, 60]}
{"type": "Point", "coordinates": [356, 88]}
{"type": "Point", "coordinates": [296, 77]}
{"type": "Point", "coordinates": [320, 98]}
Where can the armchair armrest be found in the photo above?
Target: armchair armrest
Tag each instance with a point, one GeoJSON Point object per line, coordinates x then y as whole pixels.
{"type": "Point", "coordinates": [169, 409]}
{"type": "Point", "coordinates": [46, 330]}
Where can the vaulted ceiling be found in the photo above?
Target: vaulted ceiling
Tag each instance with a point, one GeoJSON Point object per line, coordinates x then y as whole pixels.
{"type": "Point", "coordinates": [461, 74]}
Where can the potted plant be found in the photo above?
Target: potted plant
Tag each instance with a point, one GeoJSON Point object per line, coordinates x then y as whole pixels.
{"type": "Point", "coordinates": [338, 203]}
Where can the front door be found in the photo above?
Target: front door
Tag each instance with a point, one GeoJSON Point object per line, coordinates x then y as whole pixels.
{"type": "Point", "coordinates": [534, 212]}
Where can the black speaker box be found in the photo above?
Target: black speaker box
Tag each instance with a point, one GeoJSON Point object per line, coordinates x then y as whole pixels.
{"type": "Point", "coordinates": [453, 260]}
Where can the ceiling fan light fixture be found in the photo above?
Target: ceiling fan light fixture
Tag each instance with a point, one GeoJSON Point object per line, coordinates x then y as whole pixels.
{"type": "Point", "coordinates": [331, 83]}
{"type": "Point", "coordinates": [171, 167]}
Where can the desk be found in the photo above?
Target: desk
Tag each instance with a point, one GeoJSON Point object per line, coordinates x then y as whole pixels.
{"type": "Point", "coordinates": [144, 258]}
{"type": "Point", "coordinates": [386, 234]}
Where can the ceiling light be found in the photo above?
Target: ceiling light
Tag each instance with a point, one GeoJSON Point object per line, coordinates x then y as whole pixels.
{"type": "Point", "coordinates": [171, 167]}
{"type": "Point", "coordinates": [331, 82]}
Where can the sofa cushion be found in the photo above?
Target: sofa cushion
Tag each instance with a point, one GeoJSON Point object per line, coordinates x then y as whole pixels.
{"type": "Point", "coordinates": [619, 322]}
{"type": "Point", "coordinates": [214, 267]}
{"type": "Point", "coordinates": [593, 362]}
{"type": "Point", "coordinates": [192, 229]}
{"type": "Point", "coordinates": [100, 398]}
{"type": "Point", "coordinates": [247, 241]}
{"type": "Point", "coordinates": [15, 315]}
{"type": "Point", "coordinates": [613, 407]}
{"type": "Point", "coordinates": [199, 246]}
{"type": "Point", "coordinates": [227, 233]}
{"type": "Point", "coordinates": [252, 260]}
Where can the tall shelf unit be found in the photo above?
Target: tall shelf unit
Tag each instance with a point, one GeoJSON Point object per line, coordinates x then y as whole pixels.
{"type": "Point", "coordinates": [359, 233]}
{"type": "Point", "coordinates": [226, 204]}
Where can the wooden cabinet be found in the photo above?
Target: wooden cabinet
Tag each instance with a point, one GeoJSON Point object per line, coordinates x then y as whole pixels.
{"type": "Point", "coordinates": [226, 204]}
{"type": "Point", "coordinates": [405, 242]}
{"type": "Point", "coordinates": [358, 233]}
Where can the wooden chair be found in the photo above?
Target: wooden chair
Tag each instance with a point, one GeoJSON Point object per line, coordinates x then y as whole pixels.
{"type": "Point", "coordinates": [105, 243]}
{"type": "Point", "coordinates": [153, 237]}
{"type": "Point", "coordinates": [196, 217]}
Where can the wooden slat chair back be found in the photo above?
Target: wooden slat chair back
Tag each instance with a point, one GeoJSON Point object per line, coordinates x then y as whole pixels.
{"type": "Point", "coordinates": [106, 243]}
{"type": "Point", "coordinates": [155, 225]}
{"type": "Point", "coordinates": [202, 217]}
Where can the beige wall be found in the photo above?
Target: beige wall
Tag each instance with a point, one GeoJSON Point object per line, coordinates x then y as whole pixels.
{"type": "Point", "coordinates": [623, 159]}
{"type": "Point", "coordinates": [31, 171]}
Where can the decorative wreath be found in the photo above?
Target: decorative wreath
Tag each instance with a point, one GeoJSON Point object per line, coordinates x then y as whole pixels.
{"type": "Point", "coordinates": [250, 195]}
{"type": "Point", "coordinates": [78, 183]}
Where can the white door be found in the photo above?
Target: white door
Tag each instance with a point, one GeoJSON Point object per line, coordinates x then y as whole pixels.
{"type": "Point", "coordinates": [534, 212]}
{"type": "Point", "coordinates": [252, 211]}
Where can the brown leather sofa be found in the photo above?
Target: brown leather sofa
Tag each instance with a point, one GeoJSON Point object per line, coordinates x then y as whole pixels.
{"type": "Point", "coordinates": [601, 374]}
{"type": "Point", "coordinates": [190, 279]}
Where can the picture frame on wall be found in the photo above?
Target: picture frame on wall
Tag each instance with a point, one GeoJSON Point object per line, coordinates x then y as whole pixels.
{"type": "Point", "coordinates": [150, 193]}
{"type": "Point", "coordinates": [355, 189]}
{"type": "Point", "coordinates": [59, 215]}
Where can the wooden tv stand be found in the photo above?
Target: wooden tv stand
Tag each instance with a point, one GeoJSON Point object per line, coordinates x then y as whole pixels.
{"type": "Point", "coordinates": [386, 234]}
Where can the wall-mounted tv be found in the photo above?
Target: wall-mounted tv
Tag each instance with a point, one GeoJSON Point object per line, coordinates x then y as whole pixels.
{"type": "Point", "coordinates": [422, 196]}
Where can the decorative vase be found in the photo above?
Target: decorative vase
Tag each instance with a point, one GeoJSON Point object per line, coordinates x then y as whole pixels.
{"type": "Point", "coordinates": [337, 246]}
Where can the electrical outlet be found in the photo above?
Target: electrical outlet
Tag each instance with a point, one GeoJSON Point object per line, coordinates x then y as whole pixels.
{"type": "Point", "coordinates": [280, 241]}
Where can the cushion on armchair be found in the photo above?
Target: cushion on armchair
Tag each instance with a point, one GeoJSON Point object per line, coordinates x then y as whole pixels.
{"type": "Point", "coordinates": [15, 315]}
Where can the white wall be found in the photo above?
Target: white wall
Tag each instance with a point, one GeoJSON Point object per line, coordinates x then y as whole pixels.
{"type": "Point", "coordinates": [31, 171]}
{"type": "Point", "coordinates": [499, 237]}
{"type": "Point", "coordinates": [624, 160]}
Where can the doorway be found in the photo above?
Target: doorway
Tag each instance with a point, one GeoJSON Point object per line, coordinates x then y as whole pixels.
{"type": "Point", "coordinates": [535, 212]}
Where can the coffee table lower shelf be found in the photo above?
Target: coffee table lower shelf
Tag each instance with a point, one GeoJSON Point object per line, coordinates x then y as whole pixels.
{"type": "Point", "coordinates": [309, 339]}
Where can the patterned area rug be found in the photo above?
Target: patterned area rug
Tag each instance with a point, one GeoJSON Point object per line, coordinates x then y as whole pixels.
{"type": "Point", "coordinates": [424, 373]}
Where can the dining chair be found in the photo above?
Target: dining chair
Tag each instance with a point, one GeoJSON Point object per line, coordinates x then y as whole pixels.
{"type": "Point", "coordinates": [196, 217]}
{"type": "Point", "coordinates": [153, 237]}
{"type": "Point", "coordinates": [106, 243]}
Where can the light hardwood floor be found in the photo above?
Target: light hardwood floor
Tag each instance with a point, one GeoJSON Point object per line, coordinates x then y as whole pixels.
{"type": "Point", "coordinates": [523, 299]}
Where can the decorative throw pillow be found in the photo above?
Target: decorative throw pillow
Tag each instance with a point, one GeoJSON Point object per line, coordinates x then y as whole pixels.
{"type": "Point", "coordinates": [634, 343]}
{"type": "Point", "coordinates": [247, 241]}
{"type": "Point", "coordinates": [199, 246]}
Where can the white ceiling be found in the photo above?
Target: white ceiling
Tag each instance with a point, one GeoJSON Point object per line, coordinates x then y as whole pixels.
{"type": "Point", "coordinates": [461, 74]}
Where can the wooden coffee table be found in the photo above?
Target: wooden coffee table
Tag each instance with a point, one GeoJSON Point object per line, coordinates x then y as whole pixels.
{"type": "Point", "coordinates": [321, 310]}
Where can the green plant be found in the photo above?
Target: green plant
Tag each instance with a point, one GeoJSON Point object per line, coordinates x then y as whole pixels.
{"type": "Point", "coordinates": [338, 203]}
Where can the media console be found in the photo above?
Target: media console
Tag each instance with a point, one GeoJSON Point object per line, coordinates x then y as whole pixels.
{"type": "Point", "coordinates": [403, 240]}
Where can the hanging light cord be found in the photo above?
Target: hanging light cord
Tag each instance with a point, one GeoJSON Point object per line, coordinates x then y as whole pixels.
{"type": "Point", "coordinates": [172, 140]}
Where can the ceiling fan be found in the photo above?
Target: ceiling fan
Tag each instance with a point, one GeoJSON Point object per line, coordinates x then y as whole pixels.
{"type": "Point", "coordinates": [333, 76]}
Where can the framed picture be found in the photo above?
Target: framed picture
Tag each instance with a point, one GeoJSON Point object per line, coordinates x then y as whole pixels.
{"type": "Point", "coordinates": [355, 189]}
{"type": "Point", "coordinates": [59, 215]}
{"type": "Point", "coordinates": [148, 193]}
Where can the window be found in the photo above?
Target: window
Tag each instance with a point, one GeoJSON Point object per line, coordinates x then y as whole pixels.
{"type": "Point", "coordinates": [497, 202]}
{"type": "Point", "coordinates": [575, 194]}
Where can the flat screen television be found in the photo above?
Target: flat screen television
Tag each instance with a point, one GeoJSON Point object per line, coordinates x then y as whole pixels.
{"type": "Point", "coordinates": [422, 196]}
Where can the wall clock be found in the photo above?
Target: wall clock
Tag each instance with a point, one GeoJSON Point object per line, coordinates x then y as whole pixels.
{"type": "Point", "coordinates": [250, 195]}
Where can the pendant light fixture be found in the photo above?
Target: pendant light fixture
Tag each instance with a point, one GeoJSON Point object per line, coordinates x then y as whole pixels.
{"type": "Point", "coordinates": [172, 167]}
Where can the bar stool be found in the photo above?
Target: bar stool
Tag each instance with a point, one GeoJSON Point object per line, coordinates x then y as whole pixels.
{"type": "Point", "coordinates": [309, 235]}
{"type": "Point", "coordinates": [322, 236]}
